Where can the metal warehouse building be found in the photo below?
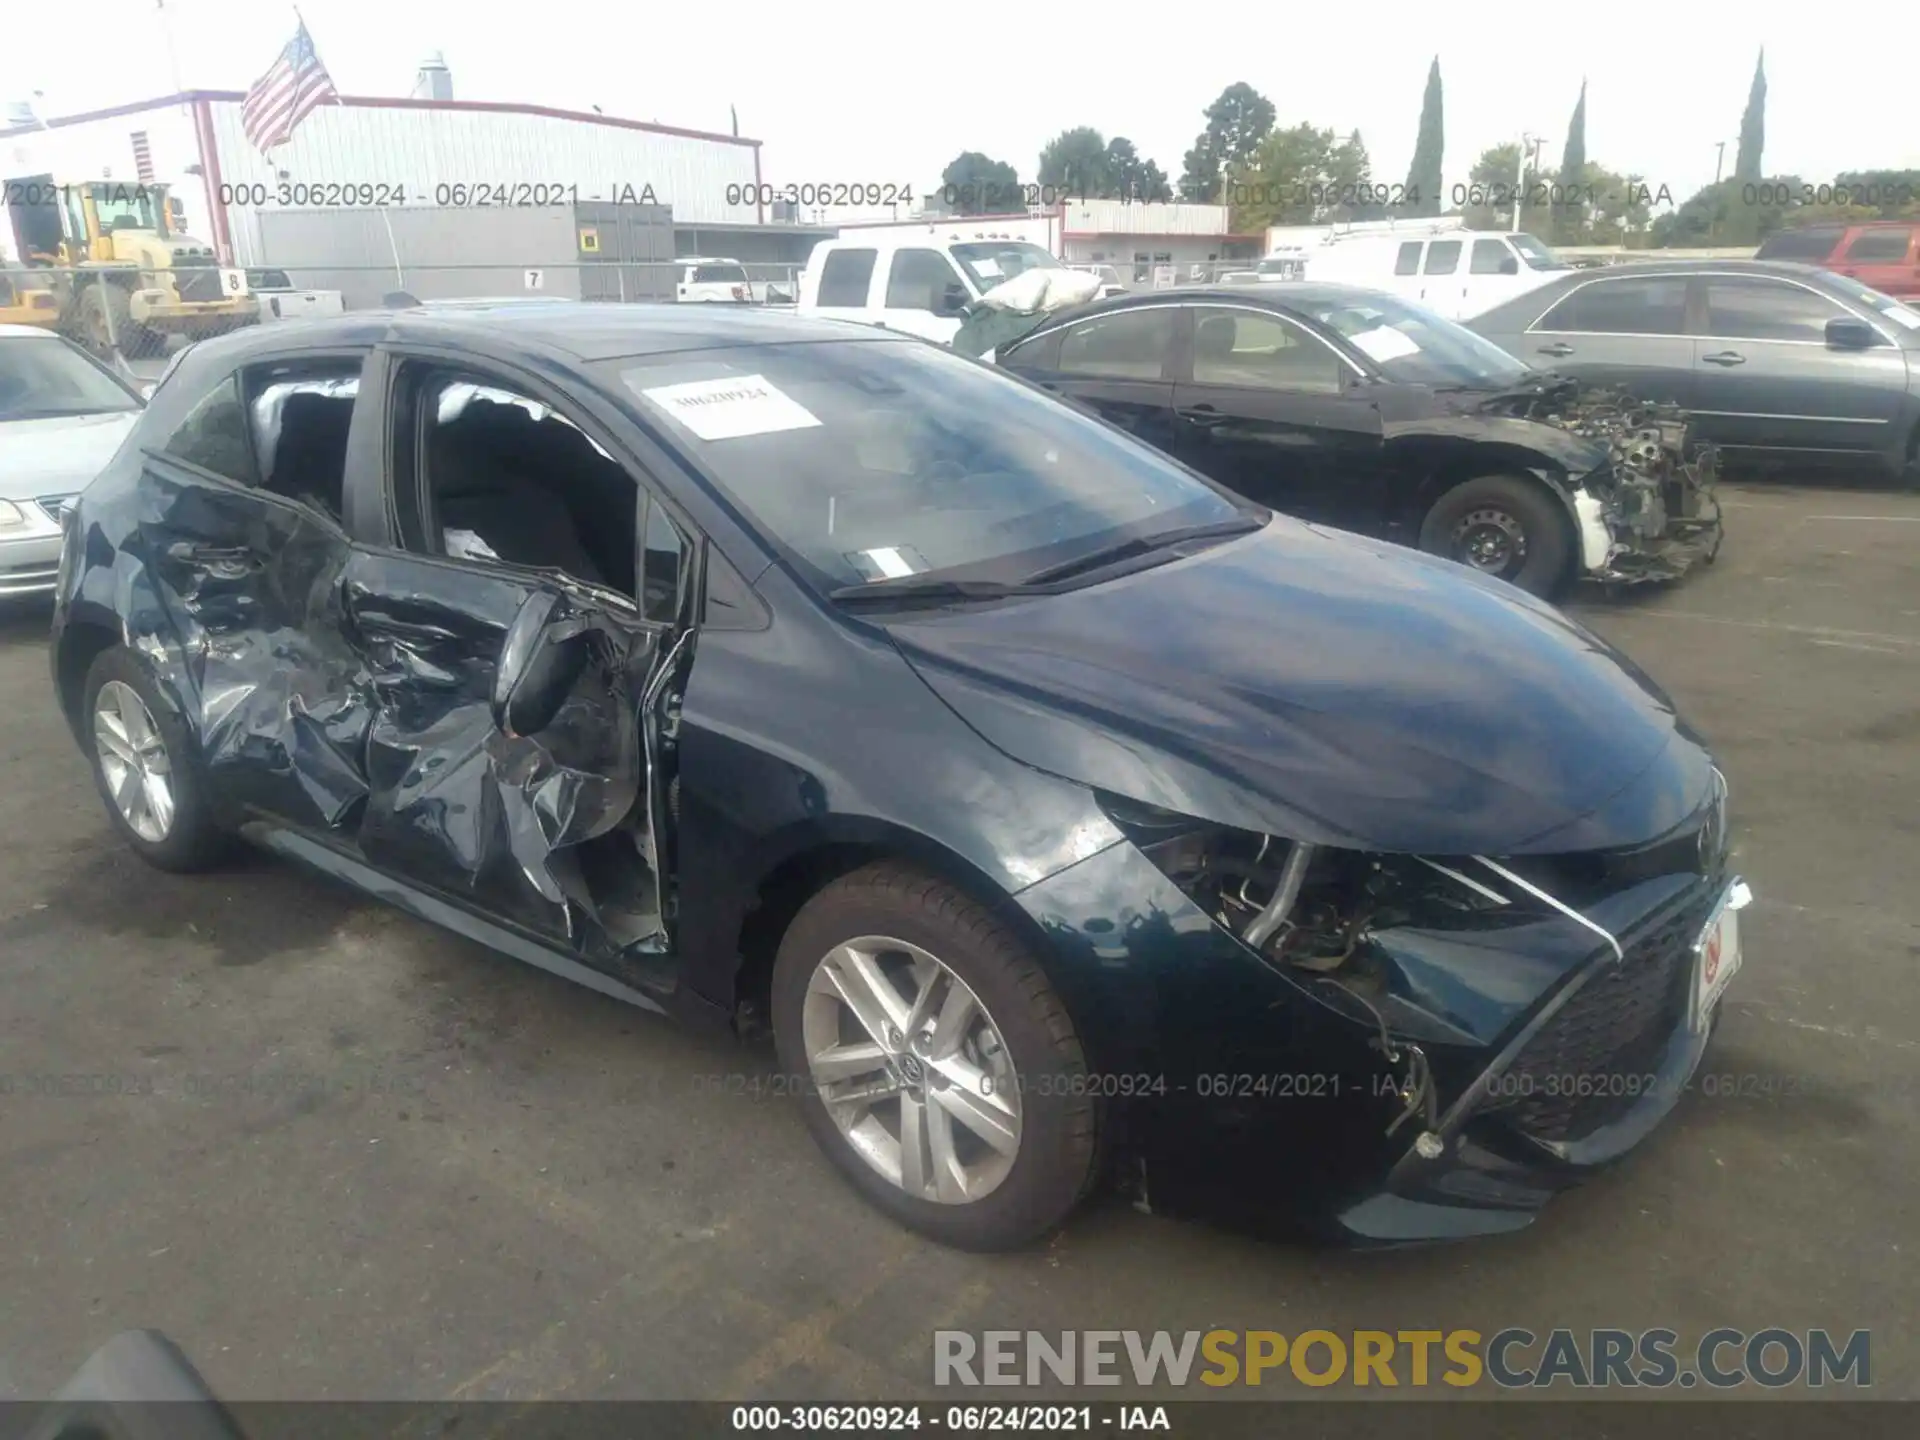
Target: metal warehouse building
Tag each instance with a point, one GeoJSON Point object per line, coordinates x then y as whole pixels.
{"type": "Point", "coordinates": [624, 194]}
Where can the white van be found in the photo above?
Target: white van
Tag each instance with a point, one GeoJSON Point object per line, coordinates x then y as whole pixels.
{"type": "Point", "coordinates": [913, 281]}
{"type": "Point", "coordinates": [1459, 273]}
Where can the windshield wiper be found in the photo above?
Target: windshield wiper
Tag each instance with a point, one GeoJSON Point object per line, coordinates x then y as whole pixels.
{"type": "Point", "coordinates": [1141, 545]}
{"type": "Point", "coordinates": [919, 587]}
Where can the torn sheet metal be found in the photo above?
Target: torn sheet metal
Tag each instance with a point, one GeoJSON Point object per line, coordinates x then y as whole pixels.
{"type": "Point", "coordinates": [1656, 496]}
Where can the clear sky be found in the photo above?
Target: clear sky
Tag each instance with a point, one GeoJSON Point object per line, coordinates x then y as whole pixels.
{"type": "Point", "coordinates": [856, 90]}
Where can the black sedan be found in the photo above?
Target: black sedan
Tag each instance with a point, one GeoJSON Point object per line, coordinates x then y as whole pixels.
{"type": "Point", "coordinates": [1063, 816]}
{"type": "Point", "coordinates": [1359, 409]}
{"type": "Point", "coordinates": [1775, 361]}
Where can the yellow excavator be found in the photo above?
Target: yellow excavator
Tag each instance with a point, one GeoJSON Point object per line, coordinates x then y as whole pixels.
{"type": "Point", "coordinates": [119, 272]}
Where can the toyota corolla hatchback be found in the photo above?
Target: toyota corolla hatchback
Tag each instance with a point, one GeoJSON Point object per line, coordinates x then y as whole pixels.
{"type": "Point", "coordinates": [1067, 819]}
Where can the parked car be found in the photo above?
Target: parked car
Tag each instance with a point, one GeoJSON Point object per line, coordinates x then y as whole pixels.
{"type": "Point", "coordinates": [281, 300]}
{"type": "Point", "coordinates": [1455, 273]}
{"type": "Point", "coordinates": [917, 281]}
{"type": "Point", "coordinates": [1107, 275]}
{"type": "Point", "coordinates": [1772, 359]}
{"type": "Point", "coordinates": [700, 280]}
{"type": "Point", "coordinates": [1055, 807]}
{"type": "Point", "coordinates": [1882, 255]}
{"type": "Point", "coordinates": [1355, 408]}
{"type": "Point", "coordinates": [62, 415]}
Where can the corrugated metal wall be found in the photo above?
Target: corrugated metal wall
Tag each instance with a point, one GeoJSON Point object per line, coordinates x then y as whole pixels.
{"type": "Point", "coordinates": [422, 149]}
{"type": "Point", "coordinates": [443, 254]}
{"type": "Point", "coordinates": [1123, 217]}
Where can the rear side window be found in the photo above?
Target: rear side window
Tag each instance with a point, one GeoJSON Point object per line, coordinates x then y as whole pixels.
{"type": "Point", "coordinates": [1490, 257]}
{"type": "Point", "coordinates": [1443, 257]}
{"type": "Point", "coordinates": [845, 276]}
{"type": "Point", "coordinates": [918, 279]}
{"type": "Point", "coordinates": [1407, 262]}
{"type": "Point", "coordinates": [719, 275]}
{"type": "Point", "coordinates": [1647, 305]}
{"type": "Point", "coordinates": [214, 435]}
{"type": "Point", "coordinates": [1878, 245]}
{"type": "Point", "coordinates": [1131, 345]}
{"type": "Point", "coordinates": [1816, 242]}
{"type": "Point", "coordinates": [300, 415]}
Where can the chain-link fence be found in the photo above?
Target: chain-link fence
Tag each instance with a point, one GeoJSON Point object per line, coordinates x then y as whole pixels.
{"type": "Point", "coordinates": [136, 319]}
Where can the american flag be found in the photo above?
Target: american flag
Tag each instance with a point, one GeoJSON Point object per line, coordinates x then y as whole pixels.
{"type": "Point", "coordinates": [281, 98]}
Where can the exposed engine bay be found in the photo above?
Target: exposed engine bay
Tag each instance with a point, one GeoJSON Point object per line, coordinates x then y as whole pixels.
{"type": "Point", "coordinates": [1657, 495]}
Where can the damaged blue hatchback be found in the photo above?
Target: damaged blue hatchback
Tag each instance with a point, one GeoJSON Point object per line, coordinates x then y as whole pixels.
{"type": "Point", "coordinates": [1067, 819]}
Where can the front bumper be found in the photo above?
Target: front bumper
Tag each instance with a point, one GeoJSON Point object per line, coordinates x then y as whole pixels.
{"type": "Point", "coordinates": [30, 554]}
{"type": "Point", "coordinates": [1263, 1100]}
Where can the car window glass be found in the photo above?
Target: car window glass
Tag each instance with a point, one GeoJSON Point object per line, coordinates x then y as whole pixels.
{"type": "Point", "coordinates": [844, 277]}
{"type": "Point", "coordinates": [1407, 262]}
{"type": "Point", "coordinates": [214, 435]}
{"type": "Point", "coordinates": [1750, 308]}
{"type": "Point", "coordinates": [1443, 257]}
{"type": "Point", "coordinates": [42, 377]}
{"type": "Point", "coordinates": [1490, 257]}
{"type": "Point", "coordinates": [1881, 245]}
{"type": "Point", "coordinates": [300, 416]}
{"type": "Point", "coordinates": [918, 279]}
{"type": "Point", "coordinates": [1239, 347]}
{"type": "Point", "coordinates": [719, 274]}
{"type": "Point", "coordinates": [664, 568]}
{"type": "Point", "coordinates": [1816, 242]}
{"type": "Point", "coordinates": [507, 479]}
{"type": "Point", "coordinates": [1127, 345]}
{"type": "Point", "coordinates": [1645, 305]}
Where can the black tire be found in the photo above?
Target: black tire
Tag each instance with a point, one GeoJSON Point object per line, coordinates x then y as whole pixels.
{"type": "Point", "coordinates": [1057, 1162]}
{"type": "Point", "coordinates": [1532, 524]}
{"type": "Point", "coordinates": [193, 841]}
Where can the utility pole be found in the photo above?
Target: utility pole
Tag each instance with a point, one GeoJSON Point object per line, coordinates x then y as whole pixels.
{"type": "Point", "coordinates": [1529, 148]}
{"type": "Point", "coordinates": [1719, 159]}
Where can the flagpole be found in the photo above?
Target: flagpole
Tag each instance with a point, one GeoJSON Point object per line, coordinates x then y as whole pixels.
{"type": "Point", "coordinates": [393, 245]}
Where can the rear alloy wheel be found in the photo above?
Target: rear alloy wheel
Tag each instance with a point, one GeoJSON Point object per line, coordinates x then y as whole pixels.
{"type": "Point", "coordinates": [936, 1065]}
{"type": "Point", "coordinates": [1503, 526]}
{"type": "Point", "coordinates": [142, 761]}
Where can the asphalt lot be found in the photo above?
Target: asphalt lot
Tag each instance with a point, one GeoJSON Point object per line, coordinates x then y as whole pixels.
{"type": "Point", "coordinates": [353, 1156]}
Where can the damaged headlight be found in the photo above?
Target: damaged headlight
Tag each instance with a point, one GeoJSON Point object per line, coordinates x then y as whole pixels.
{"type": "Point", "coordinates": [1304, 906]}
{"type": "Point", "coordinates": [12, 517]}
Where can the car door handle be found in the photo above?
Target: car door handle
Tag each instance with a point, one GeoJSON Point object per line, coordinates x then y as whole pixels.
{"type": "Point", "coordinates": [222, 557]}
{"type": "Point", "coordinates": [1204, 416]}
{"type": "Point", "coordinates": [1725, 357]}
{"type": "Point", "coordinates": [1557, 349]}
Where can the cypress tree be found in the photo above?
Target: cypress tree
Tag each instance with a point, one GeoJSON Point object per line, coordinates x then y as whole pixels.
{"type": "Point", "coordinates": [1423, 176]}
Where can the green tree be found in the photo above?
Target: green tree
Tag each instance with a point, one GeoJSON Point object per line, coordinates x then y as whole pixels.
{"type": "Point", "coordinates": [1237, 121]}
{"type": "Point", "coordinates": [1569, 216]}
{"type": "Point", "coordinates": [979, 185]}
{"type": "Point", "coordinates": [1731, 213]}
{"type": "Point", "coordinates": [1075, 162]}
{"type": "Point", "coordinates": [1350, 172]}
{"type": "Point", "coordinates": [1753, 126]}
{"type": "Point", "coordinates": [1131, 177]}
{"type": "Point", "coordinates": [1298, 176]}
{"type": "Point", "coordinates": [1423, 176]}
{"type": "Point", "coordinates": [1489, 193]}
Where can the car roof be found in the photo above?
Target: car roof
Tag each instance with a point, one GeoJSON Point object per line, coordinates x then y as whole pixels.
{"type": "Point", "coordinates": [705, 260]}
{"type": "Point", "coordinates": [595, 330]}
{"type": "Point", "coordinates": [1274, 295]}
{"type": "Point", "coordinates": [1786, 269]}
{"type": "Point", "coordinates": [28, 330]}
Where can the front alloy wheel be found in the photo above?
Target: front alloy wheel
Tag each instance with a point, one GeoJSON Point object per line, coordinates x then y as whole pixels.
{"type": "Point", "coordinates": [912, 1069]}
{"type": "Point", "coordinates": [934, 1062]}
{"type": "Point", "coordinates": [133, 761]}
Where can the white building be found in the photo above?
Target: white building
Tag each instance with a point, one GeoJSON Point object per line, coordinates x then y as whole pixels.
{"type": "Point", "coordinates": [413, 152]}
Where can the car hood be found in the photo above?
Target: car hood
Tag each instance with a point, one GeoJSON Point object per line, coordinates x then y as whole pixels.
{"type": "Point", "coordinates": [1313, 684]}
{"type": "Point", "coordinates": [58, 455]}
{"type": "Point", "coordinates": [1483, 415]}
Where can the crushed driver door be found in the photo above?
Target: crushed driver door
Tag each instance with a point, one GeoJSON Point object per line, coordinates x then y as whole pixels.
{"type": "Point", "coordinates": [553, 832]}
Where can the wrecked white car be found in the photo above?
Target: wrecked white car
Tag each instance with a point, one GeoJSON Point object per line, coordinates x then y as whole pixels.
{"type": "Point", "coordinates": [1361, 410]}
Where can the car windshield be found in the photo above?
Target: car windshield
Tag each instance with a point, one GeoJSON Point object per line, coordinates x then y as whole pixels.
{"type": "Point", "coordinates": [41, 377]}
{"type": "Point", "coordinates": [868, 461]}
{"type": "Point", "coordinates": [1537, 256]}
{"type": "Point", "coordinates": [1898, 311]}
{"type": "Point", "coordinates": [989, 262]}
{"type": "Point", "coordinates": [1414, 345]}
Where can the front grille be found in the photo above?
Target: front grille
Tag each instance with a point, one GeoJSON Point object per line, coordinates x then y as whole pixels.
{"type": "Point", "coordinates": [196, 281]}
{"type": "Point", "coordinates": [1592, 1062]}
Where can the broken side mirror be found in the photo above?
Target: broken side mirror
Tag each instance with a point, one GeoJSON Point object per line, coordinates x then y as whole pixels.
{"type": "Point", "coordinates": [1848, 334]}
{"type": "Point", "coordinates": [540, 660]}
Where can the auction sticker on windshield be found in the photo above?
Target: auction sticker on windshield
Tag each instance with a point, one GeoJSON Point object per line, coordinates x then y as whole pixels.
{"type": "Point", "coordinates": [1384, 343]}
{"type": "Point", "coordinates": [731, 408]}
